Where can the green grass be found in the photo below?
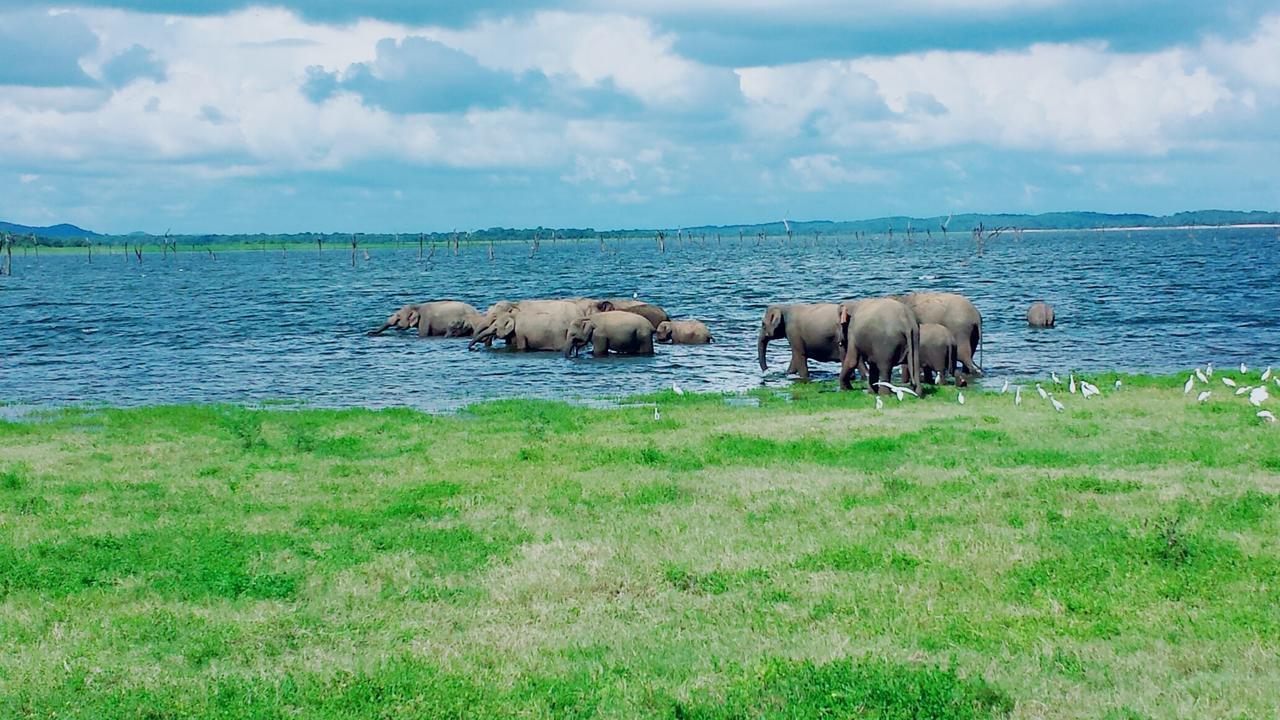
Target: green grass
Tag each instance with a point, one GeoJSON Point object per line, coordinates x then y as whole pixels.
{"type": "Point", "coordinates": [807, 558]}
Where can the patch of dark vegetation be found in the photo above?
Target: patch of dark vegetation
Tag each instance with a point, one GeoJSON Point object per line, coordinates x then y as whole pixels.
{"type": "Point", "coordinates": [856, 558]}
{"type": "Point", "coordinates": [245, 427]}
{"type": "Point", "coordinates": [14, 476]}
{"type": "Point", "coordinates": [656, 493]}
{"type": "Point", "coordinates": [188, 563]}
{"type": "Point", "coordinates": [714, 582]}
{"type": "Point", "coordinates": [1093, 484]}
{"type": "Point", "coordinates": [862, 453]}
{"type": "Point", "coordinates": [1101, 571]}
{"type": "Point", "coordinates": [1246, 510]}
{"type": "Point", "coordinates": [848, 688]}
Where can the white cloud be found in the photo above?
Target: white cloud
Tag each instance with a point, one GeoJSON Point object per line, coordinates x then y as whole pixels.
{"type": "Point", "coordinates": [820, 171]}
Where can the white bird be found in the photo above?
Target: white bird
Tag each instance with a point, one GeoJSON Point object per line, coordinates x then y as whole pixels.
{"type": "Point", "coordinates": [879, 403]}
{"type": "Point", "coordinates": [1186, 388]}
{"type": "Point", "coordinates": [1089, 389]}
{"type": "Point", "coordinates": [1266, 415]}
{"type": "Point", "coordinates": [1277, 381]}
{"type": "Point", "coordinates": [1208, 369]}
{"type": "Point", "coordinates": [1266, 374]}
{"type": "Point", "coordinates": [1017, 395]}
{"type": "Point", "coordinates": [1258, 396]}
{"type": "Point", "coordinates": [960, 397]}
{"type": "Point", "coordinates": [1072, 386]}
{"type": "Point", "coordinates": [1043, 395]}
{"type": "Point", "coordinates": [1201, 376]}
{"type": "Point", "coordinates": [656, 415]}
{"type": "Point", "coordinates": [1004, 388]}
{"type": "Point", "coordinates": [1204, 395]}
{"type": "Point", "coordinates": [1243, 389]}
{"type": "Point", "coordinates": [1243, 368]}
{"type": "Point", "coordinates": [1056, 405]}
{"type": "Point", "coordinates": [635, 294]}
{"type": "Point", "coordinates": [1054, 376]}
{"type": "Point", "coordinates": [1228, 382]}
{"type": "Point", "coordinates": [896, 390]}
{"type": "Point", "coordinates": [1118, 384]}
{"type": "Point", "coordinates": [676, 388]}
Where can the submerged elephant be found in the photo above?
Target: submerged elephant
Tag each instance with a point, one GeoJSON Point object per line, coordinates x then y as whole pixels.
{"type": "Point", "coordinates": [441, 318]}
{"type": "Point", "coordinates": [684, 332]}
{"type": "Point", "coordinates": [654, 314]}
{"type": "Point", "coordinates": [812, 331]}
{"type": "Point", "coordinates": [957, 314]}
{"type": "Point", "coordinates": [937, 354]}
{"type": "Point", "coordinates": [1040, 315]}
{"type": "Point", "coordinates": [614, 331]}
{"type": "Point", "coordinates": [876, 335]}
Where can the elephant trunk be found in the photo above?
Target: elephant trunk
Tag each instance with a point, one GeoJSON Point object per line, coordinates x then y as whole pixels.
{"type": "Point", "coordinates": [570, 349]}
{"type": "Point", "coordinates": [480, 337]}
{"type": "Point", "coordinates": [761, 345]}
{"type": "Point", "coordinates": [380, 330]}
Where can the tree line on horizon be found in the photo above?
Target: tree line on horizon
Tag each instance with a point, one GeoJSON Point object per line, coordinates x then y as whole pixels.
{"type": "Point", "coordinates": [22, 236]}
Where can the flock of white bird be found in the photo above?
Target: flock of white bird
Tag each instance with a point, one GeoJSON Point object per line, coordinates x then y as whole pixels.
{"type": "Point", "coordinates": [1255, 394]}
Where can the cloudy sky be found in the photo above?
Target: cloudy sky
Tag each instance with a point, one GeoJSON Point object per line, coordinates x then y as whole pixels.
{"type": "Point", "coordinates": [405, 115]}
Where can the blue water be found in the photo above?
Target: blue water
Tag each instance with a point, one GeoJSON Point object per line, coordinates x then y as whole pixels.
{"type": "Point", "coordinates": [252, 326]}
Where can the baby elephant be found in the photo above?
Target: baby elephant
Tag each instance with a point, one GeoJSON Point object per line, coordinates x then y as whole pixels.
{"type": "Point", "coordinates": [1040, 315]}
{"type": "Point", "coordinates": [937, 354]}
{"type": "Point", "coordinates": [684, 332]}
{"type": "Point", "coordinates": [621, 332]}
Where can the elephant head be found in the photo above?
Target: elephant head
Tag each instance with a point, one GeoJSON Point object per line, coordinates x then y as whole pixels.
{"type": "Point", "coordinates": [579, 334]}
{"type": "Point", "coordinates": [402, 319]}
{"type": "Point", "coordinates": [772, 327]}
{"type": "Point", "coordinates": [664, 332]}
{"type": "Point", "coordinates": [503, 327]}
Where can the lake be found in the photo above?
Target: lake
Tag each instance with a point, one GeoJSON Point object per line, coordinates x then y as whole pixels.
{"type": "Point", "coordinates": [251, 326]}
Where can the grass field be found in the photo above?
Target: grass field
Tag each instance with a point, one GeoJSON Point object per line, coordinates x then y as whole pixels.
{"type": "Point", "coordinates": [809, 557]}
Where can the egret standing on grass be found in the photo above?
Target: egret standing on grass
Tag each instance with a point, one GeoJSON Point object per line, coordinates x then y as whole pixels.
{"type": "Point", "coordinates": [1017, 395]}
{"type": "Point", "coordinates": [1228, 382]}
{"type": "Point", "coordinates": [1186, 389]}
{"type": "Point", "coordinates": [1204, 395]}
{"type": "Point", "coordinates": [1004, 388]}
{"type": "Point", "coordinates": [1266, 374]}
{"type": "Point", "coordinates": [1043, 395]}
{"type": "Point", "coordinates": [1243, 368]}
{"type": "Point", "coordinates": [1072, 386]}
{"type": "Point", "coordinates": [1201, 376]}
{"type": "Point", "coordinates": [960, 397]}
{"type": "Point", "coordinates": [879, 403]}
{"type": "Point", "coordinates": [1258, 396]}
{"type": "Point", "coordinates": [1266, 415]}
{"type": "Point", "coordinates": [1056, 405]}
{"type": "Point", "coordinates": [676, 388]}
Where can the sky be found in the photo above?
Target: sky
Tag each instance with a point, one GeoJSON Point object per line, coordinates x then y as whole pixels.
{"type": "Point", "coordinates": [221, 116]}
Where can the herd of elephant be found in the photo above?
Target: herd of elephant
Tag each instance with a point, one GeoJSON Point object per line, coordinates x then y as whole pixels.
{"type": "Point", "coordinates": [616, 325]}
{"type": "Point", "coordinates": [929, 335]}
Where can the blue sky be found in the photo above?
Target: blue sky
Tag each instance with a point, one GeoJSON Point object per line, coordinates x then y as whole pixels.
{"type": "Point", "coordinates": [389, 115]}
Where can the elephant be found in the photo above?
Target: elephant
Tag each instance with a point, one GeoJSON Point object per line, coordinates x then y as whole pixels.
{"type": "Point", "coordinates": [812, 331]}
{"type": "Point", "coordinates": [577, 306]}
{"type": "Point", "coordinates": [616, 330]}
{"type": "Point", "coordinates": [684, 332]}
{"type": "Point", "coordinates": [937, 354]}
{"type": "Point", "coordinates": [957, 314]}
{"type": "Point", "coordinates": [877, 334]}
{"type": "Point", "coordinates": [1040, 315]}
{"type": "Point", "coordinates": [441, 318]}
{"type": "Point", "coordinates": [654, 314]}
{"type": "Point", "coordinates": [529, 329]}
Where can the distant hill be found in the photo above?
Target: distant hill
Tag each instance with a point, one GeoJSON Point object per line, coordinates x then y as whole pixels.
{"type": "Point", "coordinates": [61, 230]}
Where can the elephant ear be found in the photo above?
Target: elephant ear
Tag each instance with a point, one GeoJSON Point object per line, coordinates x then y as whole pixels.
{"type": "Point", "coordinates": [772, 320]}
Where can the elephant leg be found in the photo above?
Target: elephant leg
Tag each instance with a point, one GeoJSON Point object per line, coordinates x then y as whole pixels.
{"type": "Point", "coordinates": [424, 327]}
{"type": "Point", "coordinates": [873, 377]}
{"type": "Point", "coordinates": [847, 366]}
{"type": "Point", "coordinates": [646, 345]}
{"type": "Point", "coordinates": [599, 346]}
{"type": "Point", "coordinates": [799, 362]}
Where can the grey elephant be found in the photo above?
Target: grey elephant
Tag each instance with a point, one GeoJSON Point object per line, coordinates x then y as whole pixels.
{"type": "Point", "coordinates": [684, 332]}
{"type": "Point", "coordinates": [812, 331]}
{"type": "Point", "coordinates": [1040, 315]}
{"type": "Point", "coordinates": [440, 318]}
{"type": "Point", "coordinates": [937, 354]}
{"type": "Point", "coordinates": [654, 314]}
{"type": "Point", "coordinates": [615, 331]}
{"type": "Point", "coordinates": [540, 327]}
{"type": "Point", "coordinates": [878, 334]}
{"type": "Point", "coordinates": [957, 314]}
{"type": "Point", "coordinates": [573, 307]}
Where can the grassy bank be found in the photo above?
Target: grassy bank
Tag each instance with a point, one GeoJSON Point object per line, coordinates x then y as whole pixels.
{"type": "Point", "coordinates": [810, 557]}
